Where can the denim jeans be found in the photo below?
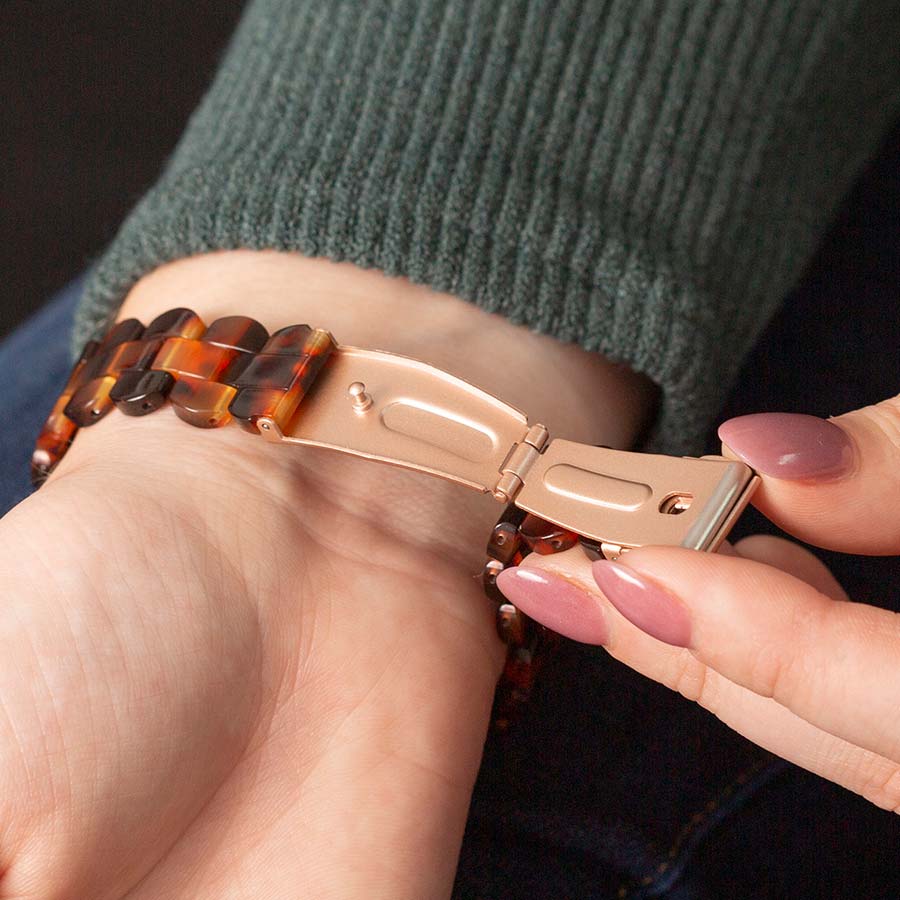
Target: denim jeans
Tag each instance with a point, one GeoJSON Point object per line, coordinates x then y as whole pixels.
{"type": "Point", "coordinates": [611, 786]}
{"type": "Point", "coordinates": [36, 360]}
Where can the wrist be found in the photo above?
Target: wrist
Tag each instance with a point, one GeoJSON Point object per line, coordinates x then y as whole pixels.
{"type": "Point", "coordinates": [553, 382]}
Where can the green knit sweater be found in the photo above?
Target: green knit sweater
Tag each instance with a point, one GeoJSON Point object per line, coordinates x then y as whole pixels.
{"type": "Point", "coordinates": [646, 178]}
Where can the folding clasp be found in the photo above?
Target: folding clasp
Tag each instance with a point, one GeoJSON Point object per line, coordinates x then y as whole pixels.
{"type": "Point", "coordinates": [403, 412]}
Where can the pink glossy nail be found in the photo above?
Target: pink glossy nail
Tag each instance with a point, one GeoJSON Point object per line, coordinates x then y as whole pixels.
{"type": "Point", "coordinates": [560, 605]}
{"type": "Point", "coordinates": [787, 445]}
{"type": "Point", "coordinates": [648, 606]}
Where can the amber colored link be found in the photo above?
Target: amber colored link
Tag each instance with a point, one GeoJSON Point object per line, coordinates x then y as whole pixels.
{"type": "Point", "coordinates": [511, 624]}
{"type": "Point", "coordinates": [203, 404]}
{"type": "Point", "coordinates": [504, 542]}
{"type": "Point", "coordinates": [59, 430]}
{"type": "Point", "coordinates": [523, 665]}
{"type": "Point", "coordinates": [91, 401]}
{"type": "Point", "coordinates": [237, 332]}
{"type": "Point", "coordinates": [277, 379]}
{"type": "Point", "coordinates": [178, 322]}
{"type": "Point", "coordinates": [111, 360]}
{"type": "Point", "coordinates": [122, 332]}
{"type": "Point", "coordinates": [529, 643]}
{"type": "Point", "coordinates": [142, 388]}
{"type": "Point", "coordinates": [119, 348]}
{"type": "Point", "coordinates": [189, 358]}
{"type": "Point", "coordinates": [203, 367]}
{"type": "Point", "coordinates": [543, 537]}
{"type": "Point", "coordinates": [138, 392]}
{"type": "Point", "coordinates": [149, 349]}
{"type": "Point", "coordinates": [288, 341]}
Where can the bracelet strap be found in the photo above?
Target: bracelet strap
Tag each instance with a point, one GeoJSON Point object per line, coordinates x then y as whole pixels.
{"type": "Point", "coordinates": [232, 370]}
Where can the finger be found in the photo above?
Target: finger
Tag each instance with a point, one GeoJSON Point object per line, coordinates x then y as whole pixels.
{"type": "Point", "coordinates": [760, 719]}
{"type": "Point", "coordinates": [791, 558]}
{"type": "Point", "coordinates": [835, 664]}
{"type": "Point", "coordinates": [781, 731]}
{"type": "Point", "coordinates": [832, 482]}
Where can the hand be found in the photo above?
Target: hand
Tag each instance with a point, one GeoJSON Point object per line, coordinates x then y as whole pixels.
{"type": "Point", "coordinates": [762, 635]}
{"type": "Point", "coordinates": [230, 669]}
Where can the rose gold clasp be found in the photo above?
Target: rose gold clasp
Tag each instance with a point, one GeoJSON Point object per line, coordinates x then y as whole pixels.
{"type": "Point", "coordinates": [403, 412]}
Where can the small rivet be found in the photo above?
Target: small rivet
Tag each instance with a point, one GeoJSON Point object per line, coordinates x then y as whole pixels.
{"type": "Point", "coordinates": [358, 394]}
{"type": "Point", "coordinates": [265, 426]}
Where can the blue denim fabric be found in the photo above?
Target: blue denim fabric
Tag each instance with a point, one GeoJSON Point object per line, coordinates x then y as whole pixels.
{"type": "Point", "coordinates": [35, 361]}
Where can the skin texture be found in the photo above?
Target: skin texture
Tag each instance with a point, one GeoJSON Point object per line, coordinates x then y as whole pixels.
{"type": "Point", "coordinates": [230, 669]}
{"type": "Point", "coordinates": [766, 638]}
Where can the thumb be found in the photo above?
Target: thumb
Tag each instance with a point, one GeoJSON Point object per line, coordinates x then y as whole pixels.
{"type": "Point", "coordinates": [833, 482]}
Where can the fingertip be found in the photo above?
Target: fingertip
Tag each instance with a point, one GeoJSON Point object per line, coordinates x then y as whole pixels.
{"type": "Point", "coordinates": [644, 603]}
{"type": "Point", "coordinates": [557, 603]}
{"type": "Point", "coordinates": [790, 446]}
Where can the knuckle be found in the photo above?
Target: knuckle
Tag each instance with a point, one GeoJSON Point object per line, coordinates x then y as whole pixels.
{"type": "Point", "coordinates": [885, 418]}
{"type": "Point", "coordinates": [782, 672]}
{"type": "Point", "coordinates": [883, 789]}
{"type": "Point", "coordinates": [690, 677]}
{"type": "Point", "coordinates": [788, 667]}
{"type": "Point", "coordinates": [766, 672]}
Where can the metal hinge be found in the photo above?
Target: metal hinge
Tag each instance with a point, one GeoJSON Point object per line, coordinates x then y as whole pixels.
{"type": "Point", "coordinates": [519, 460]}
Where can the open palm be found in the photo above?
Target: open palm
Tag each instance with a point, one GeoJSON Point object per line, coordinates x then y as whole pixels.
{"type": "Point", "coordinates": [230, 677]}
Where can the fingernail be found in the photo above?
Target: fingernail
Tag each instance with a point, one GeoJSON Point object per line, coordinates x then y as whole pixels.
{"type": "Point", "coordinates": [646, 605]}
{"type": "Point", "coordinates": [787, 445]}
{"type": "Point", "coordinates": [560, 605]}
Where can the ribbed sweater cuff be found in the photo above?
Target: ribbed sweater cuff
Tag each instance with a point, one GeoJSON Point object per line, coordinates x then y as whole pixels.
{"type": "Point", "coordinates": [645, 180]}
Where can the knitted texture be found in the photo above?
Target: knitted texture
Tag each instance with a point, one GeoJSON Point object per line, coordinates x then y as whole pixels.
{"type": "Point", "coordinates": [647, 179]}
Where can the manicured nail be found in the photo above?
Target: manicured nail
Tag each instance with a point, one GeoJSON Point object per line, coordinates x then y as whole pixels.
{"type": "Point", "coordinates": [560, 605]}
{"type": "Point", "coordinates": [645, 604]}
{"type": "Point", "coordinates": [787, 445]}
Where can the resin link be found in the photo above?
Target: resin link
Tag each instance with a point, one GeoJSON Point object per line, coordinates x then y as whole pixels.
{"type": "Point", "coordinates": [59, 430]}
{"type": "Point", "coordinates": [205, 369]}
{"type": "Point", "coordinates": [277, 379]}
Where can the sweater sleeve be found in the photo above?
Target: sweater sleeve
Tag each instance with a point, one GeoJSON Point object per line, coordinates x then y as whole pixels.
{"type": "Point", "coordinates": [646, 179]}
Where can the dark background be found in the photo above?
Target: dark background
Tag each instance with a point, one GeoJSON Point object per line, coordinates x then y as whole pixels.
{"type": "Point", "coordinates": [94, 96]}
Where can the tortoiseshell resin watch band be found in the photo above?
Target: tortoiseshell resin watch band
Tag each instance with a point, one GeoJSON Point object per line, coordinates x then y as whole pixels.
{"type": "Point", "coordinates": [234, 369]}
